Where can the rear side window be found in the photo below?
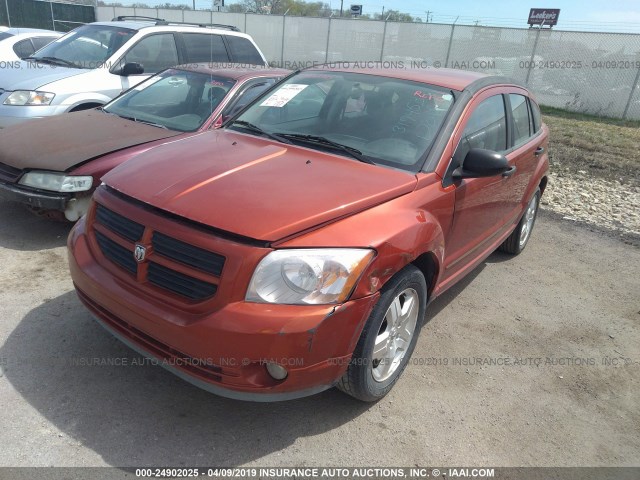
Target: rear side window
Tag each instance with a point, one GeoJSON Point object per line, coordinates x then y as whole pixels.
{"type": "Point", "coordinates": [5, 35]}
{"type": "Point", "coordinates": [23, 48]}
{"type": "Point", "coordinates": [201, 47]}
{"type": "Point", "coordinates": [535, 113]}
{"type": "Point", "coordinates": [154, 53]}
{"type": "Point", "coordinates": [39, 42]}
{"type": "Point", "coordinates": [243, 51]}
{"type": "Point", "coordinates": [520, 113]}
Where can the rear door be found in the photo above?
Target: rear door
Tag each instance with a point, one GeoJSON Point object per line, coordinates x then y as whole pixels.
{"type": "Point", "coordinates": [526, 144]}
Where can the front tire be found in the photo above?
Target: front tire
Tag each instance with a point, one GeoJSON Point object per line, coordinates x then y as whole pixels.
{"type": "Point", "coordinates": [388, 338]}
{"type": "Point", "coordinates": [515, 243]}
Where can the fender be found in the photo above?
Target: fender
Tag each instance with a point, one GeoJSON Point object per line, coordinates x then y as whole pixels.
{"type": "Point", "coordinates": [400, 231]}
{"type": "Point", "coordinates": [74, 101]}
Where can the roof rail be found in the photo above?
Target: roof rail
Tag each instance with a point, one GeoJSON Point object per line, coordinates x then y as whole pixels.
{"type": "Point", "coordinates": [122, 18]}
{"type": "Point", "coordinates": [162, 21]}
{"type": "Point", "coordinates": [204, 25]}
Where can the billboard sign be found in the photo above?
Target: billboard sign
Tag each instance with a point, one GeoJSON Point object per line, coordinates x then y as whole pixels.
{"type": "Point", "coordinates": [547, 17]}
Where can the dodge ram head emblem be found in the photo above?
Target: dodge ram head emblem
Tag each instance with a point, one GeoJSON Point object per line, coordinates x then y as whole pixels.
{"type": "Point", "coordinates": [139, 253]}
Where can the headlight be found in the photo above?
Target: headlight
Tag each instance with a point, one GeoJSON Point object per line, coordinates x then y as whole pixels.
{"type": "Point", "coordinates": [308, 276]}
{"type": "Point", "coordinates": [27, 97]}
{"type": "Point", "coordinates": [57, 182]}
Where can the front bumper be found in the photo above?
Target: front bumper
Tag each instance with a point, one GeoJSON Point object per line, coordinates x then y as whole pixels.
{"type": "Point", "coordinates": [225, 351]}
{"type": "Point", "coordinates": [34, 198]}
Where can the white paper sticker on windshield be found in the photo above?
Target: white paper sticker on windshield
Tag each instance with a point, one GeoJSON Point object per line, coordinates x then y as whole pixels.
{"type": "Point", "coordinates": [283, 95]}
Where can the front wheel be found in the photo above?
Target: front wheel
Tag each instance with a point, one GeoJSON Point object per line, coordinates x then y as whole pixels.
{"type": "Point", "coordinates": [518, 239]}
{"type": "Point", "coordinates": [388, 338]}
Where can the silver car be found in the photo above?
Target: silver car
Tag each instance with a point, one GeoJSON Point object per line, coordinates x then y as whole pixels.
{"type": "Point", "coordinates": [17, 43]}
{"type": "Point", "coordinates": [94, 63]}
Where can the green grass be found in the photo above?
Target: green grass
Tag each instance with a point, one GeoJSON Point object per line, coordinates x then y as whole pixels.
{"type": "Point", "coordinates": [557, 112]}
{"type": "Point", "coordinates": [605, 147]}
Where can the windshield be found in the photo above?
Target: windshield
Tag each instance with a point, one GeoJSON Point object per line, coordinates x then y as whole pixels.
{"type": "Point", "coordinates": [371, 118]}
{"type": "Point", "coordinates": [175, 99]}
{"type": "Point", "coordinates": [88, 46]}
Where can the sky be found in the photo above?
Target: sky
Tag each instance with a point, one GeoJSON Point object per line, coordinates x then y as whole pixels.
{"type": "Point", "coordinates": [612, 15]}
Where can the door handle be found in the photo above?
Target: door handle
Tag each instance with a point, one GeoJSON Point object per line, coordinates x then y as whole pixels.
{"type": "Point", "coordinates": [509, 172]}
{"type": "Point", "coordinates": [539, 151]}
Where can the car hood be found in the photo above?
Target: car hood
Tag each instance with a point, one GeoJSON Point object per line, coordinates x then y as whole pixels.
{"type": "Point", "coordinates": [64, 141]}
{"type": "Point", "coordinates": [30, 75]}
{"type": "Point", "coordinates": [255, 187]}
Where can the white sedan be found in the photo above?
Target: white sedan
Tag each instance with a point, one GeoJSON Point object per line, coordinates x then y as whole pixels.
{"type": "Point", "coordinates": [18, 43]}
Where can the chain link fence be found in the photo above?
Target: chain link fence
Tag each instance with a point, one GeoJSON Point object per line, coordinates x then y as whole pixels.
{"type": "Point", "coordinates": [60, 16]}
{"type": "Point", "coordinates": [588, 72]}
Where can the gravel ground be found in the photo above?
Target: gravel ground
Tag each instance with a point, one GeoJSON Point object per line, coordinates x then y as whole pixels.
{"type": "Point", "coordinates": [595, 173]}
{"type": "Point", "coordinates": [563, 320]}
{"type": "Point", "coordinates": [605, 203]}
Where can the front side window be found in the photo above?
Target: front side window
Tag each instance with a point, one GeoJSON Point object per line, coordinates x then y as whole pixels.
{"type": "Point", "coordinates": [176, 99]}
{"type": "Point", "coordinates": [89, 46]}
{"type": "Point", "coordinates": [520, 113]}
{"type": "Point", "coordinates": [487, 127]}
{"type": "Point", "coordinates": [248, 94]}
{"type": "Point", "coordinates": [154, 53]}
{"type": "Point", "coordinates": [387, 121]}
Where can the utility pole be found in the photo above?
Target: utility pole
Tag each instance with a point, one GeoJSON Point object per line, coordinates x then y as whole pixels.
{"type": "Point", "coordinates": [341, 4]}
{"type": "Point", "coordinates": [382, 16]}
{"type": "Point", "coordinates": [428, 12]}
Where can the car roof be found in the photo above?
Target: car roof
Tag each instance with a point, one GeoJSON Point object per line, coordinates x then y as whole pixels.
{"type": "Point", "coordinates": [235, 71]}
{"type": "Point", "coordinates": [441, 77]}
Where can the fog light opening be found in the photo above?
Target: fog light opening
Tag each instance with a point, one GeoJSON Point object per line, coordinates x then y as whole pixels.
{"type": "Point", "coordinates": [278, 372]}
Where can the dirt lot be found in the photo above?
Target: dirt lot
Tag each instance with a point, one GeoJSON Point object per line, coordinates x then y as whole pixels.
{"type": "Point", "coordinates": [562, 320]}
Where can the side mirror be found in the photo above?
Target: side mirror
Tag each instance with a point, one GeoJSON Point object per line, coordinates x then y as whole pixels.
{"type": "Point", "coordinates": [132, 68]}
{"type": "Point", "coordinates": [482, 163]}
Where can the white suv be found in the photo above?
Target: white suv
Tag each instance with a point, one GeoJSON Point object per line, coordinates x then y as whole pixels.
{"type": "Point", "coordinates": [95, 62]}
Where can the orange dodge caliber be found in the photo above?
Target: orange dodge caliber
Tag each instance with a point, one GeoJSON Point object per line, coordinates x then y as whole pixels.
{"type": "Point", "coordinates": [298, 247]}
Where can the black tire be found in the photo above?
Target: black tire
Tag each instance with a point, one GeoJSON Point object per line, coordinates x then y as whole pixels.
{"type": "Point", "coordinates": [512, 244]}
{"type": "Point", "coordinates": [358, 381]}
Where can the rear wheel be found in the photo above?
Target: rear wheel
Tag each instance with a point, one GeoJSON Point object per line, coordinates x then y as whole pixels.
{"type": "Point", "coordinates": [388, 338]}
{"type": "Point", "coordinates": [518, 239]}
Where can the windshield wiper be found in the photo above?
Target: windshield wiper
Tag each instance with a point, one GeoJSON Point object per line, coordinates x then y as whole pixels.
{"type": "Point", "coordinates": [353, 152]}
{"type": "Point", "coordinates": [137, 120]}
{"type": "Point", "coordinates": [55, 61]}
{"type": "Point", "coordinates": [255, 129]}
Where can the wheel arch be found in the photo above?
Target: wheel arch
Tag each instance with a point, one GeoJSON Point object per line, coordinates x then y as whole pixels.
{"type": "Point", "coordinates": [543, 184]}
{"type": "Point", "coordinates": [85, 106]}
{"type": "Point", "coordinates": [428, 264]}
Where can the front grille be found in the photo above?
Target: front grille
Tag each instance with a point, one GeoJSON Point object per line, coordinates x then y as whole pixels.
{"type": "Point", "coordinates": [188, 254]}
{"type": "Point", "coordinates": [179, 283]}
{"type": "Point", "coordinates": [117, 254]}
{"type": "Point", "coordinates": [168, 260]}
{"type": "Point", "coordinates": [117, 223]}
{"type": "Point", "coordinates": [9, 174]}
